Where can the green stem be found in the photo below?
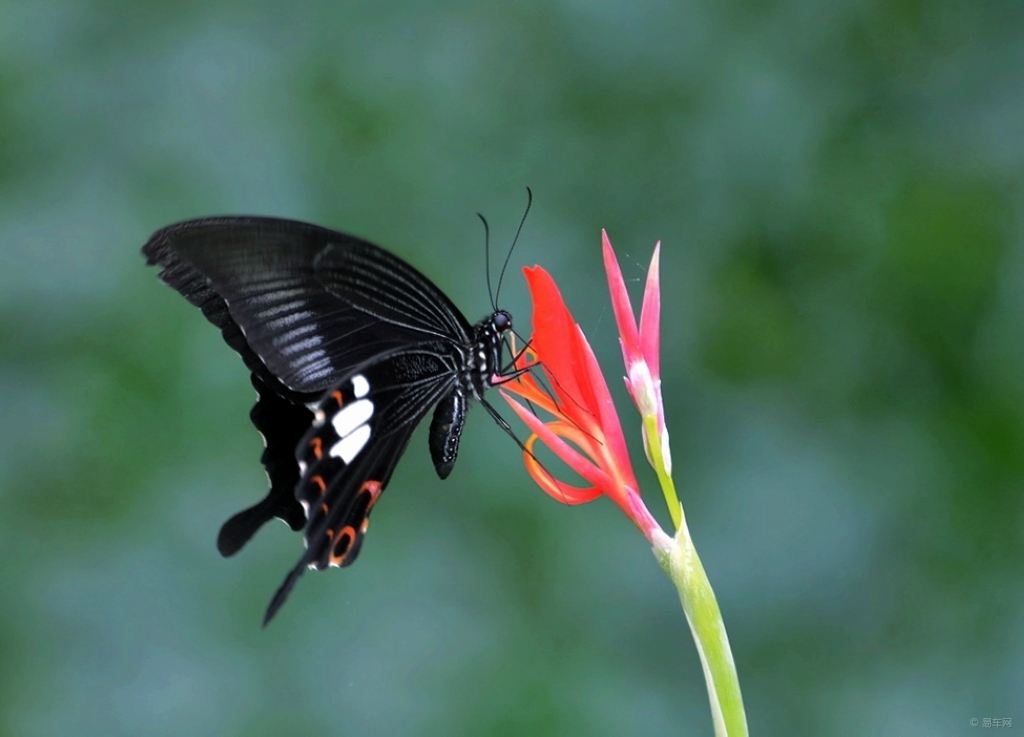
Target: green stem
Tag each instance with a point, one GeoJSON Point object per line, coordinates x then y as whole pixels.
{"type": "Point", "coordinates": [679, 559]}
{"type": "Point", "coordinates": [657, 460]}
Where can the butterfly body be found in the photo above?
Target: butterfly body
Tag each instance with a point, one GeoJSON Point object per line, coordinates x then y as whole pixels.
{"type": "Point", "coordinates": [349, 348]}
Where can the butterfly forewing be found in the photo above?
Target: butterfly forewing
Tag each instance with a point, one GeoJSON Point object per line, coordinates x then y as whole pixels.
{"type": "Point", "coordinates": [378, 284]}
{"type": "Point", "coordinates": [310, 302]}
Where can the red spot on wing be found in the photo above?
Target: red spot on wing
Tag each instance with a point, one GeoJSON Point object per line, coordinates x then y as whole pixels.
{"type": "Point", "coordinates": [338, 397]}
{"type": "Point", "coordinates": [375, 489]}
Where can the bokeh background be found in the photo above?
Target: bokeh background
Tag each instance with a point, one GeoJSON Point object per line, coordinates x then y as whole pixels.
{"type": "Point", "coordinates": [837, 189]}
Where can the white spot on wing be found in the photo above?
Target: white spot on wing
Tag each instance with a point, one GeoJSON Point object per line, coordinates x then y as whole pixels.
{"type": "Point", "coordinates": [351, 416]}
{"type": "Point", "coordinates": [360, 385]}
{"type": "Point", "coordinates": [348, 447]}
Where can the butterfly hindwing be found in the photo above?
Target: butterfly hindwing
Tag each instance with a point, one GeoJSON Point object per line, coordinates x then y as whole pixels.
{"type": "Point", "coordinates": [282, 424]}
{"type": "Point", "coordinates": [359, 432]}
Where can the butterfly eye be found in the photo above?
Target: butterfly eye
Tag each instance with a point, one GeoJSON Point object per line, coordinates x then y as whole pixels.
{"type": "Point", "coordinates": [502, 321]}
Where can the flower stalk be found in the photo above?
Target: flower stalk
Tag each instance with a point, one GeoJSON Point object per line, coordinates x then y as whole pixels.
{"type": "Point", "coordinates": [678, 558]}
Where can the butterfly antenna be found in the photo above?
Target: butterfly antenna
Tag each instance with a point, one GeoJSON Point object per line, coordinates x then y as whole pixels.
{"type": "Point", "coordinates": [487, 260]}
{"type": "Point", "coordinates": [529, 202]}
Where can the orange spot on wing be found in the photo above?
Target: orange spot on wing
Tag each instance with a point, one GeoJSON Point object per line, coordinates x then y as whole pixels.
{"type": "Point", "coordinates": [325, 508]}
{"type": "Point", "coordinates": [339, 559]}
{"type": "Point", "coordinates": [337, 397]}
{"type": "Point", "coordinates": [318, 447]}
{"type": "Point", "coordinates": [319, 481]}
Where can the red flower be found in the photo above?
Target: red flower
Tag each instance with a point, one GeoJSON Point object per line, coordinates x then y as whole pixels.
{"type": "Point", "coordinates": [640, 348]}
{"type": "Point", "coordinates": [586, 433]}
{"type": "Point", "coordinates": [640, 353]}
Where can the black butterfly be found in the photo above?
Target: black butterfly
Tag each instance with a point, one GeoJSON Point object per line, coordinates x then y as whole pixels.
{"type": "Point", "coordinates": [349, 348]}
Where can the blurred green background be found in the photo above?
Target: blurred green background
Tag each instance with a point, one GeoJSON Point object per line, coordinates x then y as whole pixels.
{"type": "Point", "coordinates": [837, 188]}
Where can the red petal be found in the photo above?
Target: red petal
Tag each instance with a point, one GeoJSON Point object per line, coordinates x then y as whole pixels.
{"type": "Point", "coordinates": [527, 387]}
{"type": "Point", "coordinates": [612, 450]}
{"type": "Point", "coordinates": [553, 330]}
{"type": "Point", "coordinates": [623, 310]}
{"type": "Point", "coordinates": [560, 349]}
{"type": "Point", "coordinates": [570, 456]}
{"type": "Point", "coordinates": [637, 511]}
{"type": "Point", "coordinates": [557, 490]}
{"type": "Point", "coordinates": [650, 316]}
